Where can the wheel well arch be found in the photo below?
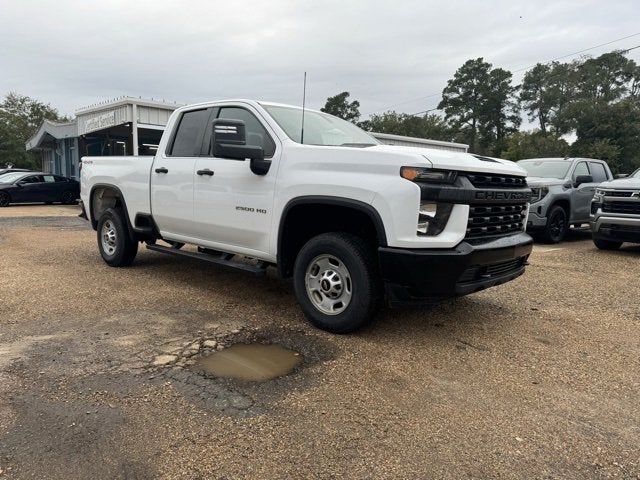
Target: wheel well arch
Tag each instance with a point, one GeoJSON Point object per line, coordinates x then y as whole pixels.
{"type": "Point", "coordinates": [104, 196]}
{"type": "Point", "coordinates": [309, 216]}
{"type": "Point", "coordinates": [565, 203]}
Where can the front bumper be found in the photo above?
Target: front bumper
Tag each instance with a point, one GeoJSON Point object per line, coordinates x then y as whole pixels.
{"type": "Point", "coordinates": [616, 228]}
{"type": "Point", "coordinates": [415, 276]}
{"type": "Point", "coordinates": [536, 220]}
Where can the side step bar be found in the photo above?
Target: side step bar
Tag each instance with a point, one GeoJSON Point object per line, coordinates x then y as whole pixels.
{"type": "Point", "coordinates": [223, 259]}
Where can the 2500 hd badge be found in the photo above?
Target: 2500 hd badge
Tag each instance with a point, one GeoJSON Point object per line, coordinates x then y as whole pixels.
{"type": "Point", "coordinates": [250, 209]}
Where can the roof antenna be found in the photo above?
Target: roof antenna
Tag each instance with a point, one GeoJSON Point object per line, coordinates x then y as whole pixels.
{"type": "Point", "coordinates": [304, 99]}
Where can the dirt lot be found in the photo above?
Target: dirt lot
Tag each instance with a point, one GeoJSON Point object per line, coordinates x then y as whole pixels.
{"type": "Point", "coordinates": [539, 378]}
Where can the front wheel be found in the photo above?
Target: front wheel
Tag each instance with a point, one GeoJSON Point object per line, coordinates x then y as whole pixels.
{"type": "Point", "coordinates": [606, 244]}
{"type": "Point", "coordinates": [116, 246]}
{"type": "Point", "coordinates": [557, 225]}
{"type": "Point", "coordinates": [5, 200]}
{"type": "Point", "coordinates": [336, 282]}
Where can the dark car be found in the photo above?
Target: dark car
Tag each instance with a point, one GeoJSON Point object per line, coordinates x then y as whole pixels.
{"type": "Point", "coordinates": [32, 187]}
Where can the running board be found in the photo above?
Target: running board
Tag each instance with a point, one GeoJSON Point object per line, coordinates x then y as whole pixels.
{"type": "Point", "coordinates": [224, 259]}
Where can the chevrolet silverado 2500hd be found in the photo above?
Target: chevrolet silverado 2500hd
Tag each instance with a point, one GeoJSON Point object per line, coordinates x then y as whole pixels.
{"type": "Point", "coordinates": [352, 221]}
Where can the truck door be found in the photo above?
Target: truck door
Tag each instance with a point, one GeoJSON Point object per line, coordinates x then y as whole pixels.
{"type": "Point", "coordinates": [581, 195]}
{"type": "Point", "coordinates": [172, 175]}
{"type": "Point", "coordinates": [232, 205]}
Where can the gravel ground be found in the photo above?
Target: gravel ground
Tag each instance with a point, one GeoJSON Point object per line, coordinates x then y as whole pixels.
{"type": "Point", "coordinates": [538, 378]}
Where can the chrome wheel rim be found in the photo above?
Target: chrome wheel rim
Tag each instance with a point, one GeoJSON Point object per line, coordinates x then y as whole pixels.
{"type": "Point", "coordinates": [108, 237]}
{"type": "Point", "coordinates": [328, 284]}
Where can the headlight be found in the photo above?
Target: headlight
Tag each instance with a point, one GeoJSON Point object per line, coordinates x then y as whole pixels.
{"type": "Point", "coordinates": [538, 193]}
{"type": "Point", "coordinates": [433, 217]}
{"type": "Point", "coordinates": [417, 174]}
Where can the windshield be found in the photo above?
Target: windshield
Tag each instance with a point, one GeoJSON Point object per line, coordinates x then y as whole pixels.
{"type": "Point", "coordinates": [545, 168]}
{"type": "Point", "coordinates": [635, 174]}
{"type": "Point", "coordinates": [11, 177]}
{"type": "Point", "coordinates": [319, 128]}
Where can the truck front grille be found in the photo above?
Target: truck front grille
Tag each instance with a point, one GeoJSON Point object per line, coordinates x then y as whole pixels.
{"type": "Point", "coordinates": [490, 180]}
{"type": "Point", "coordinates": [495, 220]}
{"type": "Point", "coordinates": [619, 193]}
{"type": "Point", "coordinates": [621, 207]}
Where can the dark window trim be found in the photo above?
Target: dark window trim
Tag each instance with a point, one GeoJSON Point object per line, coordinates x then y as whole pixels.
{"type": "Point", "coordinates": [169, 150]}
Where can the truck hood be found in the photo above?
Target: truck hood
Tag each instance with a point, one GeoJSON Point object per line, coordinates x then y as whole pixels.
{"type": "Point", "coordinates": [544, 182]}
{"type": "Point", "coordinates": [450, 160]}
{"type": "Point", "coordinates": [622, 184]}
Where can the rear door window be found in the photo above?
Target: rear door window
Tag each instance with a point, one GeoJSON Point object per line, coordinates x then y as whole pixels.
{"type": "Point", "coordinates": [32, 179]}
{"type": "Point", "coordinates": [598, 172]}
{"type": "Point", "coordinates": [49, 179]}
{"type": "Point", "coordinates": [188, 138]}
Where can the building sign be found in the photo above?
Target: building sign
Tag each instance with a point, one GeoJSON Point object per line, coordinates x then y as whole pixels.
{"type": "Point", "coordinates": [104, 120]}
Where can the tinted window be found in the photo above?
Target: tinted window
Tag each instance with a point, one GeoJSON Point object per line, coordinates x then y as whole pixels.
{"type": "Point", "coordinates": [257, 135]}
{"type": "Point", "coordinates": [598, 172]}
{"type": "Point", "coordinates": [32, 179]}
{"type": "Point", "coordinates": [188, 137]}
{"type": "Point", "coordinates": [60, 179]}
{"type": "Point", "coordinates": [581, 169]}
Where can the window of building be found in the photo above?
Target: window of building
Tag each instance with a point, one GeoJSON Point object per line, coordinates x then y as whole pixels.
{"type": "Point", "coordinates": [188, 138]}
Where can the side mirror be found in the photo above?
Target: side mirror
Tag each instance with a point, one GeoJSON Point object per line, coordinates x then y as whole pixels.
{"type": "Point", "coordinates": [580, 179]}
{"type": "Point", "coordinates": [20, 184]}
{"type": "Point", "coordinates": [230, 141]}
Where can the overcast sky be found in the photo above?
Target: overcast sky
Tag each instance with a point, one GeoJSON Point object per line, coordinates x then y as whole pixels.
{"type": "Point", "coordinates": [388, 54]}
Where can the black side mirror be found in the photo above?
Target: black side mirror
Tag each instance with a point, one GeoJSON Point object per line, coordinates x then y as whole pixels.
{"type": "Point", "coordinates": [229, 140]}
{"type": "Point", "coordinates": [580, 179]}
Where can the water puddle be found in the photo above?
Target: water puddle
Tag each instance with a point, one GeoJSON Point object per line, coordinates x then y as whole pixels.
{"type": "Point", "coordinates": [252, 362]}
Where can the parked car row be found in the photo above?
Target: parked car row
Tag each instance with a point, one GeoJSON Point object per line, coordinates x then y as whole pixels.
{"type": "Point", "coordinates": [23, 186]}
{"type": "Point", "coordinates": [576, 191]}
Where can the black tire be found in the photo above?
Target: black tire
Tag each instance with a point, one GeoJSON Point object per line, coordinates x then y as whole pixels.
{"type": "Point", "coordinates": [606, 244]}
{"type": "Point", "coordinates": [358, 257]}
{"type": "Point", "coordinates": [68, 198]}
{"type": "Point", "coordinates": [123, 247]}
{"type": "Point", "coordinates": [5, 199]}
{"type": "Point", "coordinates": [557, 225]}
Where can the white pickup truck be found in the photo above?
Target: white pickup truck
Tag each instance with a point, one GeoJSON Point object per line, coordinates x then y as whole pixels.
{"type": "Point", "coordinates": [352, 221]}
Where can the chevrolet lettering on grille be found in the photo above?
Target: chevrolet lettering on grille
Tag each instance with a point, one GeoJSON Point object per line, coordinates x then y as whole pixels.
{"type": "Point", "coordinates": [495, 195]}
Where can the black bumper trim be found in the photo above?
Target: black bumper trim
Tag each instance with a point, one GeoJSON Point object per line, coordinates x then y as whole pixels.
{"type": "Point", "coordinates": [422, 275]}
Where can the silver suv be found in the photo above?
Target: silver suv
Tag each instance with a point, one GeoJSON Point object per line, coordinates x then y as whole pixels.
{"type": "Point", "coordinates": [615, 212]}
{"type": "Point", "coordinates": [562, 192]}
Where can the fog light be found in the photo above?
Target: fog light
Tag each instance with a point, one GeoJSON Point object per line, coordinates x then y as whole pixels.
{"type": "Point", "coordinates": [433, 218]}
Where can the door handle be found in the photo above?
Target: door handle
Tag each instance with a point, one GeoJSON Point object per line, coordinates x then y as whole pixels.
{"type": "Point", "coordinates": [206, 171]}
{"type": "Point", "coordinates": [162, 170]}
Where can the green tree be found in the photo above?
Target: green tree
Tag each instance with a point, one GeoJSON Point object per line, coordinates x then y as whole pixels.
{"type": "Point", "coordinates": [611, 132]}
{"type": "Point", "coordinates": [480, 103]}
{"type": "Point", "coordinates": [534, 144]}
{"type": "Point", "coordinates": [20, 118]}
{"type": "Point", "coordinates": [428, 126]}
{"type": "Point", "coordinates": [340, 106]}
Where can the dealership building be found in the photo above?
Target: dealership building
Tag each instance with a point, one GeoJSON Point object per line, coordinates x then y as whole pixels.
{"type": "Point", "coordinates": [133, 126]}
{"type": "Point", "coordinates": [123, 126]}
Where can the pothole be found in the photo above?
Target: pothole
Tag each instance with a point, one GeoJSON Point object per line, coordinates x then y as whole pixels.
{"type": "Point", "coordinates": [249, 361]}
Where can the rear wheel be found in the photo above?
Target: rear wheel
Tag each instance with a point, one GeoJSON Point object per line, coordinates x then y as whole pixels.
{"type": "Point", "coordinates": [606, 244]}
{"type": "Point", "coordinates": [68, 198]}
{"type": "Point", "coordinates": [557, 225]}
{"type": "Point", "coordinates": [116, 246]}
{"type": "Point", "coordinates": [336, 282]}
{"type": "Point", "coordinates": [5, 200]}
